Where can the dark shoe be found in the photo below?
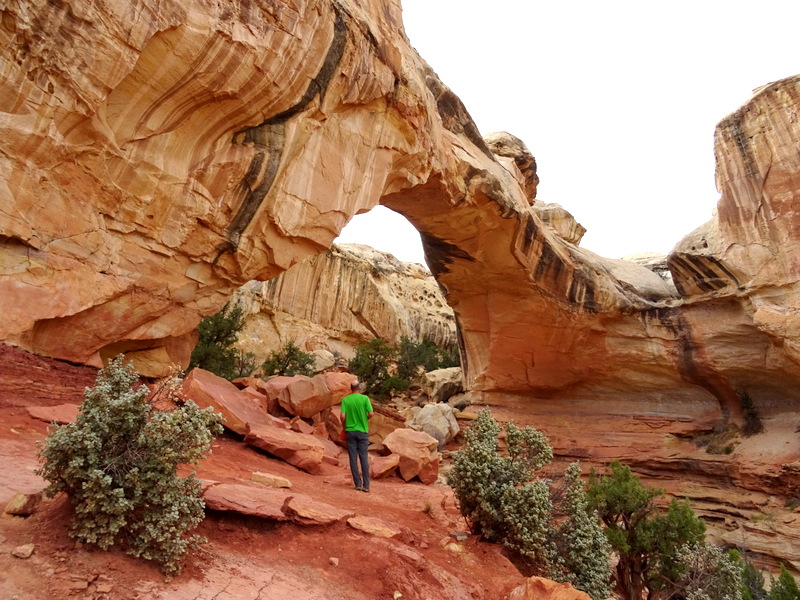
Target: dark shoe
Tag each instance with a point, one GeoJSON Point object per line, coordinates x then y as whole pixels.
{"type": "Point", "coordinates": [360, 489]}
{"type": "Point", "coordinates": [364, 490]}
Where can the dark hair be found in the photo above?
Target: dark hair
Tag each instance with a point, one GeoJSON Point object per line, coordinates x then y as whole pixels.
{"type": "Point", "coordinates": [355, 385]}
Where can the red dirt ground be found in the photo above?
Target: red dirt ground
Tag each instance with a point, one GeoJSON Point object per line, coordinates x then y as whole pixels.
{"type": "Point", "coordinates": [246, 557]}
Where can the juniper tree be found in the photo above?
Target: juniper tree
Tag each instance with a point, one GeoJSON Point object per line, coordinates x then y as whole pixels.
{"type": "Point", "coordinates": [645, 539]}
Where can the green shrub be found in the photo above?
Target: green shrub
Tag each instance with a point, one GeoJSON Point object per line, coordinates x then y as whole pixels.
{"type": "Point", "coordinates": [214, 350]}
{"type": "Point", "coordinates": [646, 540]}
{"type": "Point", "coordinates": [752, 587]}
{"type": "Point", "coordinates": [785, 587]}
{"type": "Point", "coordinates": [414, 357]}
{"type": "Point", "coordinates": [501, 500]}
{"type": "Point", "coordinates": [371, 364]}
{"type": "Point", "coordinates": [118, 464]}
{"type": "Point", "coordinates": [289, 360]}
{"type": "Point", "coordinates": [752, 419]}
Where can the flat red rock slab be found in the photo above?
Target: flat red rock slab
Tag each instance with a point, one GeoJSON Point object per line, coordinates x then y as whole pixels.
{"type": "Point", "coordinates": [304, 510]}
{"type": "Point", "coordinates": [61, 414]}
{"type": "Point", "coordinates": [266, 503]}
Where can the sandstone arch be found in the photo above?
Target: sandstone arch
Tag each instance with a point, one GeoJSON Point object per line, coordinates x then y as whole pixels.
{"type": "Point", "coordinates": [151, 161]}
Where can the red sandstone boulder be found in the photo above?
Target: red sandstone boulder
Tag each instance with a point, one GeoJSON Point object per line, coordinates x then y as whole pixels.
{"type": "Point", "coordinates": [237, 408]}
{"type": "Point", "coordinates": [257, 397]}
{"type": "Point", "coordinates": [338, 384]}
{"type": "Point", "coordinates": [308, 396]}
{"type": "Point", "coordinates": [374, 526]}
{"type": "Point", "coordinates": [253, 382]}
{"type": "Point", "coordinates": [381, 425]}
{"type": "Point", "coordinates": [61, 414]}
{"type": "Point", "coordinates": [429, 473]}
{"type": "Point", "coordinates": [416, 450]}
{"type": "Point", "coordinates": [270, 480]}
{"type": "Point", "coordinates": [23, 504]}
{"type": "Point", "coordinates": [538, 588]}
{"type": "Point", "coordinates": [273, 386]}
{"type": "Point", "coordinates": [258, 501]}
{"type": "Point", "coordinates": [383, 466]}
{"type": "Point", "coordinates": [304, 510]}
{"type": "Point", "coordinates": [305, 452]}
{"type": "Point", "coordinates": [300, 426]}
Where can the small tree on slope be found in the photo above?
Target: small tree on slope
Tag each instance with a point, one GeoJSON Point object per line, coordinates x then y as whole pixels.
{"type": "Point", "coordinates": [645, 540]}
{"type": "Point", "coordinates": [215, 350]}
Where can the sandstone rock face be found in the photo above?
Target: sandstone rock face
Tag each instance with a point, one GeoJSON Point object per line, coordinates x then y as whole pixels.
{"type": "Point", "coordinates": [154, 160]}
{"type": "Point", "coordinates": [342, 298]}
{"type": "Point", "coordinates": [183, 181]}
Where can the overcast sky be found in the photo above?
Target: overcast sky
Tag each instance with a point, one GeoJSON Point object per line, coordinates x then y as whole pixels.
{"type": "Point", "coordinates": [617, 100]}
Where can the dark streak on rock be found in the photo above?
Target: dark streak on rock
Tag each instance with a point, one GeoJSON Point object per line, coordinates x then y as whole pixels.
{"type": "Point", "coordinates": [439, 254]}
{"type": "Point", "coordinates": [549, 264]}
{"type": "Point", "coordinates": [529, 234]}
{"type": "Point", "coordinates": [454, 114]}
{"type": "Point", "coordinates": [690, 366]}
{"type": "Point", "coordinates": [581, 292]}
{"type": "Point", "coordinates": [269, 138]}
{"type": "Point", "coordinates": [733, 126]}
{"type": "Point", "coordinates": [707, 273]}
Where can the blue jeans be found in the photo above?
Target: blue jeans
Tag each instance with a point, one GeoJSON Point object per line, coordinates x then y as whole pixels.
{"type": "Point", "coordinates": [357, 446]}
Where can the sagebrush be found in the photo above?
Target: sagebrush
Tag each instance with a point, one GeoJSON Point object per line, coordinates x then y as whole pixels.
{"type": "Point", "coordinates": [555, 534]}
{"type": "Point", "coordinates": [118, 464]}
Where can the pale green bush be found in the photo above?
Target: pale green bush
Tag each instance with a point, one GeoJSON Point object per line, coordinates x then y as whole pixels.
{"type": "Point", "coordinates": [118, 464]}
{"type": "Point", "coordinates": [707, 573]}
{"type": "Point", "coordinates": [555, 535]}
{"type": "Point", "coordinates": [582, 548]}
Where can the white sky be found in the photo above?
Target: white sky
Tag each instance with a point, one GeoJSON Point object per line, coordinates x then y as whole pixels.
{"type": "Point", "coordinates": [616, 99]}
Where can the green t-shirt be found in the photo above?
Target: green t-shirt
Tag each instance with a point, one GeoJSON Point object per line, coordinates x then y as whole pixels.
{"type": "Point", "coordinates": [355, 408]}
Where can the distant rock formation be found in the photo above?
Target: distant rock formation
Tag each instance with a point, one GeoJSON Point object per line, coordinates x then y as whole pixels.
{"type": "Point", "coordinates": [341, 299]}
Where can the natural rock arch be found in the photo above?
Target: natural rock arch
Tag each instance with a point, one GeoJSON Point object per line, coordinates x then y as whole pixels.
{"type": "Point", "coordinates": [151, 161]}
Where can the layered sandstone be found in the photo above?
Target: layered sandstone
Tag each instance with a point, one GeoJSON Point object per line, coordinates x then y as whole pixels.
{"type": "Point", "coordinates": [156, 156]}
{"type": "Point", "coordinates": [345, 297]}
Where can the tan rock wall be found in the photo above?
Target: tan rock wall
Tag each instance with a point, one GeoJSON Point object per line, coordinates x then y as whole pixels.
{"type": "Point", "coordinates": [342, 298]}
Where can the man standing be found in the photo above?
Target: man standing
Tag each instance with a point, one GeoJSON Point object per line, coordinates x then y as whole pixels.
{"type": "Point", "coordinates": [356, 412]}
